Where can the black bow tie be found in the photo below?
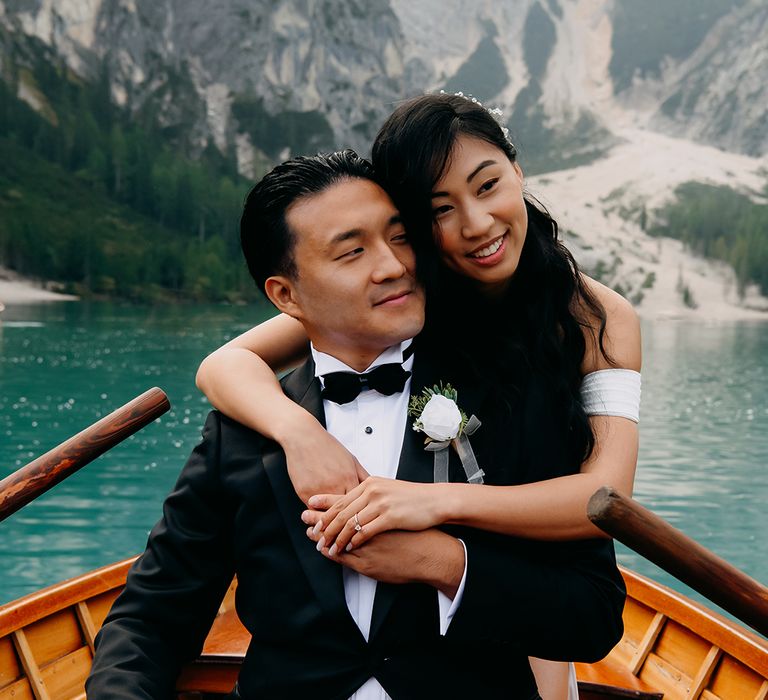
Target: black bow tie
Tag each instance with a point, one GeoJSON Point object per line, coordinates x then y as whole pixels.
{"type": "Point", "coordinates": [388, 379]}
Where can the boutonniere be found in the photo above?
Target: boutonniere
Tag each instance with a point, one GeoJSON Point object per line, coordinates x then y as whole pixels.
{"type": "Point", "coordinates": [438, 416]}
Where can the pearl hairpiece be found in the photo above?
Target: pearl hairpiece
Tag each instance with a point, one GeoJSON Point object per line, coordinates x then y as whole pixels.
{"type": "Point", "coordinates": [495, 112]}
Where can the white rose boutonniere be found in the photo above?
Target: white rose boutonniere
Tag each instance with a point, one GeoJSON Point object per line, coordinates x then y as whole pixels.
{"type": "Point", "coordinates": [438, 415]}
{"type": "Point", "coordinates": [441, 418]}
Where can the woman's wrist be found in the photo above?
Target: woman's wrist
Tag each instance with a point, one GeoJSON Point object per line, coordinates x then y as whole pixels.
{"type": "Point", "coordinates": [292, 421]}
{"type": "Point", "coordinates": [447, 503]}
{"type": "Point", "coordinates": [443, 503]}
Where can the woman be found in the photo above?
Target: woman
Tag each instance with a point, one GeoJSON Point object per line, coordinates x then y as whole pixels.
{"type": "Point", "coordinates": [555, 347]}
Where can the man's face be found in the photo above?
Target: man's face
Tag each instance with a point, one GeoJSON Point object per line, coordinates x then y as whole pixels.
{"type": "Point", "coordinates": [355, 290]}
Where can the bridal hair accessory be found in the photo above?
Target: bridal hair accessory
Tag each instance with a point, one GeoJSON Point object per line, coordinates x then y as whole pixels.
{"type": "Point", "coordinates": [495, 112]}
{"type": "Point", "coordinates": [438, 416]}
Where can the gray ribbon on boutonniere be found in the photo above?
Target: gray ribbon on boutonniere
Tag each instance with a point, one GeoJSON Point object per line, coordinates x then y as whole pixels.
{"type": "Point", "coordinates": [463, 449]}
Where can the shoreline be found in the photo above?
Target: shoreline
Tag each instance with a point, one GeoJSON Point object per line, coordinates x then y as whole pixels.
{"type": "Point", "coordinates": [16, 291]}
{"type": "Point", "coordinates": [19, 291]}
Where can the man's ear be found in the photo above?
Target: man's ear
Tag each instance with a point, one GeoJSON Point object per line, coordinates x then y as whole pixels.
{"type": "Point", "coordinates": [281, 291]}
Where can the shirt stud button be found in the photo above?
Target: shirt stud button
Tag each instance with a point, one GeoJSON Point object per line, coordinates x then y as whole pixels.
{"type": "Point", "coordinates": [368, 429]}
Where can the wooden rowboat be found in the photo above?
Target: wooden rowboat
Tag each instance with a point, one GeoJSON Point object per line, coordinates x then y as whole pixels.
{"type": "Point", "coordinates": [672, 647]}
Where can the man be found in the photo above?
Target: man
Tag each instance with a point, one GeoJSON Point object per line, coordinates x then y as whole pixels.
{"type": "Point", "coordinates": [413, 616]}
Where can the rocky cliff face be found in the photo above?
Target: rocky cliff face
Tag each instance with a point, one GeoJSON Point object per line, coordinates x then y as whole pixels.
{"type": "Point", "coordinates": [266, 78]}
{"type": "Point", "coordinates": [719, 94]}
{"type": "Point", "coordinates": [571, 74]}
{"type": "Point", "coordinates": [297, 75]}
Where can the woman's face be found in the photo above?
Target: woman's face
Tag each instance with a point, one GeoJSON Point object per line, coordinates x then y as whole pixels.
{"type": "Point", "coordinates": [480, 215]}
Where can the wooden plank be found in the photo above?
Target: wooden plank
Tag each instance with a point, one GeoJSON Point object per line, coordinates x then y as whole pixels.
{"type": "Point", "coordinates": [646, 644]}
{"type": "Point", "coordinates": [10, 669]}
{"type": "Point", "coordinates": [663, 676]}
{"type": "Point", "coordinates": [54, 637]}
{"type": "Point", "coordinates": [637, 618]}
{"type": "Point", "coordinates": [704, 674]}
{"type": "Point", "coordinates": [734, 681]}
{"type": "Point", "coordinates": [100, 605]}
{"type": "Point", "coordinates": [86, 625]}
{"type": "Point", "coordinates": [65, 678]}
{"type": "Point", "coordinates": [681, 648]}
{"type": "Point", "coordinates": [30, 665]}
{"type": "Point", "coordinates": [20, 690]}
{"type": "Point", "coordinates": [762, 694]}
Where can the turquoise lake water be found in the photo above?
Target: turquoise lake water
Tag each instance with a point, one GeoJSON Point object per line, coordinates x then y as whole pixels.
{"type": "Point", "coordinates": [704, 430]}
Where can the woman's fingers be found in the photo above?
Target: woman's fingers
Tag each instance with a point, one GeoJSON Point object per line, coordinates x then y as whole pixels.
{"type": "Point", "coordinates": [324, 501]}
{"type": "Point", "coordinates": [334, 505]}
{"type": "Point", "coordinates": [347, 541]}
{"type": "Point", "coordinates": [334, 502]}
{"type": "Point", "coordinates": [359, 522]}
{"type": "Point", "coordinates": [312, 517]}
{"type": "Point", "coordinates": [334, 524]}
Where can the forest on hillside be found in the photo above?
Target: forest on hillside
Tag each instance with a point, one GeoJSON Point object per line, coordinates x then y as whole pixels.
{"type": "Point", "coordinates": [720, 223]}
{"type": "Point", "coordinates": [108, 203]}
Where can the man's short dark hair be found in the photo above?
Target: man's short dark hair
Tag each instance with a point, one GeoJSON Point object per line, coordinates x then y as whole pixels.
{"type": "Point", "coordinates": [265, 236]}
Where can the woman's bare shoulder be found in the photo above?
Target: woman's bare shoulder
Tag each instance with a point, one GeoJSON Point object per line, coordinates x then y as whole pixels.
{"type": "Point", "coordinates": [621, 340]}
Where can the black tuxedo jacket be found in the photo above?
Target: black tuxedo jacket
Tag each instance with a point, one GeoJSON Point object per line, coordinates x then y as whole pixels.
{"type": "Point", "coordinates": [234, 510]}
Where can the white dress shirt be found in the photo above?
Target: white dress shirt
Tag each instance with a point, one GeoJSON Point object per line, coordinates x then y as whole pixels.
{"type": "Point", "coordinates": [372, 428]}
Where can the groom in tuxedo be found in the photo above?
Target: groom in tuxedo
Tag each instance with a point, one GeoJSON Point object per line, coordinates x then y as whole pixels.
{"type": "Point", "coordinates": [412, 614]}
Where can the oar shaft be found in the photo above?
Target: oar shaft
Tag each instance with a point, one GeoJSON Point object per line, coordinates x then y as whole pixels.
{"type": "Point", "coordinates": [654, 538]}
{"type": "Point", "coordinates": [26, 484]}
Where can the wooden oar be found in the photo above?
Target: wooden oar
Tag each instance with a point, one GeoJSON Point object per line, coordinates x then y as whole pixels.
{"type": "Point", "coordinates": [26, 484]}
{"type": "Point", "coordinates": [641, 530]}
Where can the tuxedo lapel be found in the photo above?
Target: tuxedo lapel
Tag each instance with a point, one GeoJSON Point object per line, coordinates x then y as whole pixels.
{"type": "Point", "coordinates": [415, 463]}
{"type": "Point", "coordinates": [324, 575]}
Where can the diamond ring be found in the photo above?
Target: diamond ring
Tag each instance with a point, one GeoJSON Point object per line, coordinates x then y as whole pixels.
{"type": "Point", "coordinates": [358, 526]}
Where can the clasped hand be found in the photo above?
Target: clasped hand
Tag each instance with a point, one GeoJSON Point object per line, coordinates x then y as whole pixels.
{"type": "Point", "coordinates": [380, 505]}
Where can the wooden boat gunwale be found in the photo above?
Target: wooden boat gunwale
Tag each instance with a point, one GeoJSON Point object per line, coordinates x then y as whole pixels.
{"type": "Point", "coordinates": [52, 599]}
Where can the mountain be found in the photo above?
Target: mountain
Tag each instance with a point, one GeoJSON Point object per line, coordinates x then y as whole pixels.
{"type": "Point", "coordinates": [267, 78]}
{"type": "Point", "coordinates": [264, 78]}
{"type": "Point", "coordinates": [583, 83]}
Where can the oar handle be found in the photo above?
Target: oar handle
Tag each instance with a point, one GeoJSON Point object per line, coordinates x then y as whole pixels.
{"type": "Point", "coordinates": [654, 538]}
{"type": "Point", "coordinates": [26, 484]}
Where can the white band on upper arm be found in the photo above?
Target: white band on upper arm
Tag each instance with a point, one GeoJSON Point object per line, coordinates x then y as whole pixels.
{"type": "Point", "coordinates": [612, 392]}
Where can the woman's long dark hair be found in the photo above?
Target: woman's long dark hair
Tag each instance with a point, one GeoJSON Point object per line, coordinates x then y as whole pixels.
{"type": "Point", "coordinates": [545, 309]}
